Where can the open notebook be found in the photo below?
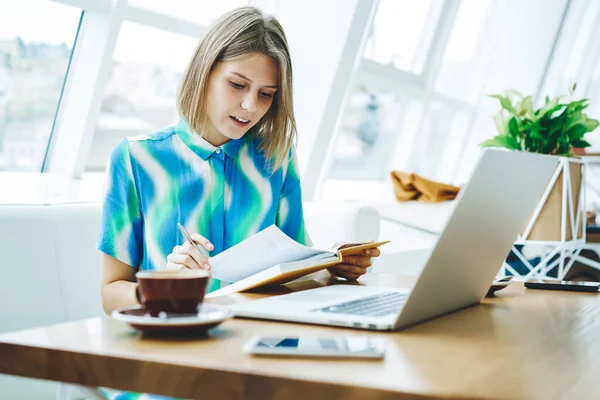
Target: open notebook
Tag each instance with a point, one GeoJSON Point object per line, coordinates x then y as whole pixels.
{"type": "Point", "coordinates": [271, 257]}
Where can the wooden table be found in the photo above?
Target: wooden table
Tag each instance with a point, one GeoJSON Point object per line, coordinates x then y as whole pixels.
{"type": "Point", "coordinates": [523, 344]}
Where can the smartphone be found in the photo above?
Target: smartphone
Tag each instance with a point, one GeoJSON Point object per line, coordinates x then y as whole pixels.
{"type": "Point", "coordinates": [562, 285]}
{"type": "Point", "coordinates": [343, 347]}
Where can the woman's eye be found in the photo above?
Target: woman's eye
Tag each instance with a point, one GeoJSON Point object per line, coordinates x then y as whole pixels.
{"type": "Point", "coordinates": [266, 95]}
{"type": "Point", "coordinates": [237, 85]}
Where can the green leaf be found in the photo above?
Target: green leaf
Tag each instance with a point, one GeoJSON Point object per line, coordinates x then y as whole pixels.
{"type": "Point", "coordinates": [534, 131]}
{"type": "Point", "coordinates": [555, 131]}
{"type": "Point", "coordinates": [580, 143]}
{"type": "Point", "coordinates": [502, 141]}
{"type": "Point", "coordinates": [514, 93]}
{"type": "Point", "coordinates": [526, 106]}
{"type": "Point", "coordinates": [549, 108]}
{"type": "Point", "coordinates": [548, 147]}
{"type": "Point", "coordinates": [578, 104]}
{"type": "Point", "coordinates": [501, 125]}
{"type": "Point", "coordinates": [576, 131]}
{"type": "Point", "coordinates": [513, 127]}
{"type": "Point", "coordinates": [591, 124]}
{"type": "Point", "coordinates": [504, 102]}
{"type": "Point", "coordinates": [575, 119]}
{"type": "Point", "coordinates": [555, 109]}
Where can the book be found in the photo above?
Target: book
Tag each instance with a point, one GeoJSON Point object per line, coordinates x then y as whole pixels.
{"type": "Point", "coordinates": [271, 257]}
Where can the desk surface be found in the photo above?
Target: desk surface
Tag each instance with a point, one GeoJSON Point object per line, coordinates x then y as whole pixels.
{"type": "Point", "coordinates": [522, 344]}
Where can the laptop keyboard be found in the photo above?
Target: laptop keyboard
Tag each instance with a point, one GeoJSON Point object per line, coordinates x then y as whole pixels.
{"type": "Point", "coordinates": [378, 305]}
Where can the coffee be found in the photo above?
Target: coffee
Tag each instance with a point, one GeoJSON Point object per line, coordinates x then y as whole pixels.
{"type": "Point", "coordinates": [180, 292]}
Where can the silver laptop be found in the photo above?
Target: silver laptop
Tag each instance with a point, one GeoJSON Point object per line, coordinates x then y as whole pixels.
{"type": "Point", "coordinates": [490, 210]}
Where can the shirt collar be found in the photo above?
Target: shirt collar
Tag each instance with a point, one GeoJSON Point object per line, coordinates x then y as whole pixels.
{"type": "Point", "coordinates": [201, 146]}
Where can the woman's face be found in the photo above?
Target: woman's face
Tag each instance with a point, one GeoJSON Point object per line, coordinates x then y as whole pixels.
{"type": "Point", "coordinates": [239, 94]}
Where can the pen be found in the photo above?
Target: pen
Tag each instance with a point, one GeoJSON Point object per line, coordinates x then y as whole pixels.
{"type": "Point", "coordinates": [188, 237]}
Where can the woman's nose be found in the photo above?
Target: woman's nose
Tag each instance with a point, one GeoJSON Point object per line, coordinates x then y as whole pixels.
{"type": "Point", "coordinates": [249, 103]}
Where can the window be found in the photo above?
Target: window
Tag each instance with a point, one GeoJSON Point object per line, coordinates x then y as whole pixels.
{"type": "Point", "coordinates": [140, 96]}
{"type": "Point", "coordinates": [201, 12]}
{"type": "Point", "coordinates": [422, 104]}
{"type": "Point", "coordinates": [36, 41]}
{"type": "Point", "coordinates": [400, 39]}
{"type": "Point", "coordinates": [469, 46]}
{"type": "Point", "coordinates": [364, 144]}
{"type": "Point", "coordinates": [402, 33]}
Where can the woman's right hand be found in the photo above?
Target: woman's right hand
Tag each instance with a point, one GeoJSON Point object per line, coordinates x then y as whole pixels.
{"type": "Point", "coordinates": [188, 256]}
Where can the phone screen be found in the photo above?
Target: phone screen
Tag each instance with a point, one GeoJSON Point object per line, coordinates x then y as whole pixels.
{"type": "Point", "coordinates": [343, 346]}
{"type": "Point", "coordinates": [551, 284]}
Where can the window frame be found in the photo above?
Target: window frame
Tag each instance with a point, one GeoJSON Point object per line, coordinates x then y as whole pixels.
{"type": "Point", "coordinates": [369, 72]}
{"type": "Point", "coordinates": [440, 33]}
{"type": "Point", "coordinates": [85, 83]}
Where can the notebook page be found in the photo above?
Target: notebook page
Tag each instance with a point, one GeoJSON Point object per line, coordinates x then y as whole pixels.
{"type": "Point", "coordinates": [259, 252]}
{"type": "Point", "coordinates": [278, 273]}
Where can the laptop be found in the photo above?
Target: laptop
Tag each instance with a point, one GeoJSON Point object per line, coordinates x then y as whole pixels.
{"type": "Point", "coordinates": [489, 212]}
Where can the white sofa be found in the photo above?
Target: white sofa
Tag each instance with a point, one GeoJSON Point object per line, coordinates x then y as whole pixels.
{"type": "Point", "coordinates": [51, 269]}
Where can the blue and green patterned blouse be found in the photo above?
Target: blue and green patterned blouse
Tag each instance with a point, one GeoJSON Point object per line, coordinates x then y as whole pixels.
{"type": "Point", "coordinates": [225, 193]}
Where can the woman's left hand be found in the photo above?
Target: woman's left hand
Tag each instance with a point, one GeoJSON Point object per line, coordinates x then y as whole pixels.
{"type": "Point", "coordinates": [352, 267]}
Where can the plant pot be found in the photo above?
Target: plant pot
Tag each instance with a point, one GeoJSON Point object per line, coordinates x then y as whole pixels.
{"type": "Point", "coordinates": [548, 217]}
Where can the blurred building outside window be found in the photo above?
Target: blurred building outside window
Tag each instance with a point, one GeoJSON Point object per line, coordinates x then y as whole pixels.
{"type": "Point", "coordinates": [36, 41]}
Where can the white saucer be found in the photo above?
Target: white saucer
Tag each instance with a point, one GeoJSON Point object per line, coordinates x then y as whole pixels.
{"type": "Point", "coordinates": [208, 317]}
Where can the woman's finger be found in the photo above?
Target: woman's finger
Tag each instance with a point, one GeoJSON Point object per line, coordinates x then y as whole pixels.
{"type": "Point", "coordinates": [184, 260]}
{"type": "Point", "coordinates": [202, 241]}
{"type": "Point", "coordinates": [355, 269]}
{"type": "Point", "coordinates": [372, 252]}
{"type": "Point", "coordinates": [171, 266]}
{"type": "Point", "coordinates": [361, 261]}
{"type": "Point", "coordinates": [200, 258]}
{"type": "Point", "coordinates": [344, 274]}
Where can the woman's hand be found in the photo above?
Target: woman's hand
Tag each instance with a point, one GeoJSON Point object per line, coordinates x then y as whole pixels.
{"type": "Point", "coordinates": [188, 256]}
{"type": "Point", "coordinates": [352, 267]}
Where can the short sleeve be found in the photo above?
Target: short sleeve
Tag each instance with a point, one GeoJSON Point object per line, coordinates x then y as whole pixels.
{"type": "Point", "coordinates": [290, 214]}
{"type": "Point", "coordinates": [121, 225]}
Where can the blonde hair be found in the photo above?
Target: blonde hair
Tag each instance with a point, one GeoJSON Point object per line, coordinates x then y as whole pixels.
{"type": "Point", "coordinates": [238, 33]}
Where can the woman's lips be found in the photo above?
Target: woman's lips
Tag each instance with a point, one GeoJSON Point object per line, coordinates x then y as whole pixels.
{"type": "Point", "coordinates": [239, 123]}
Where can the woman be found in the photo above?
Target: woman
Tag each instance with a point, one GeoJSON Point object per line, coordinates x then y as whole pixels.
{"type": "Point", "coordinates": [226, 170]}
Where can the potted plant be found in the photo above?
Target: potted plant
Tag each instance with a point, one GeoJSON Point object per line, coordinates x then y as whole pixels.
{"type": "Point", "coordinates": [556, 128]}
